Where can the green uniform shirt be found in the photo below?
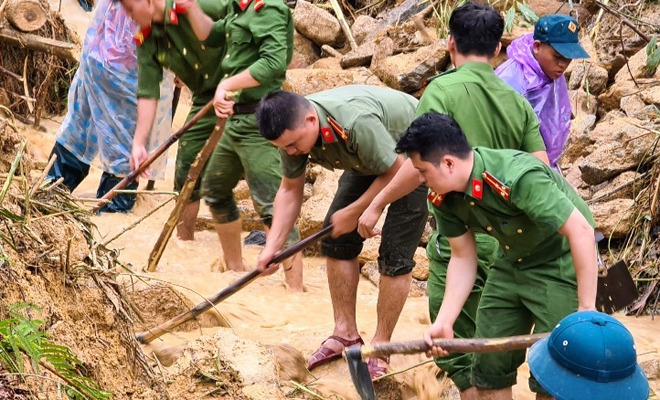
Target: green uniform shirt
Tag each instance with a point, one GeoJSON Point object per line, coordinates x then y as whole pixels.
{"type": "Point", "coordinates": [488, 110]}
{"type": "Point", "coordinates": [175, 47]}
{"type": "Point", "coordinates": [258, 36]}
{"type": "Point", "coordinates": [518, 200]}
{"type": "Point", "coordinates": [370, 121]}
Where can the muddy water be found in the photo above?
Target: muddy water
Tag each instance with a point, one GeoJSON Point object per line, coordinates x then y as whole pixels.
{"type": "Point", "coordinates": [264, 311]}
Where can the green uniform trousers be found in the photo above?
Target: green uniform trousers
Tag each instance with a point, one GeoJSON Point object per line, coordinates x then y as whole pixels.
{"type": "Point", "coordinates": [189, 145]}
{"type": "Point", "coordinates": [515, 301]}
{"type": "Point", "coordinates": [457, 366]}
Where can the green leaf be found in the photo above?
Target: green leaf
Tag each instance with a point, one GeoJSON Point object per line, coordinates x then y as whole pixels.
{"type": "Point", "coordinates": [652, 62]}
{"type": "Point", "coordinates": [650, 48]}
{"type": "Point", "coordinates": [528, 14]}
{"type": "Point", "coordinates": [509, 20]}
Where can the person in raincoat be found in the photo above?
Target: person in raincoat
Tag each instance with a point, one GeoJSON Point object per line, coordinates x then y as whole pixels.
{"type": "Point", "coordinates": [535, 69]}
{"type": "Point", "coordinates": [102, 109]}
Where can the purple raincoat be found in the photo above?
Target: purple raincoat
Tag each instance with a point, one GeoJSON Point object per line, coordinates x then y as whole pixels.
{"type": "Point", "coordinates": [549, 99]}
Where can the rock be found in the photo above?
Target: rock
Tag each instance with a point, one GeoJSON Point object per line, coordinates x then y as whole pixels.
{"type": "Point", "coordinates": [305, 52]}
{"type": "Point", "coordinates": [316, 24]}
{"type": "Point", "coordinates": [614, 217]}
{"type": "Point", "coordinates": [370, 271]}
{"type": "Point", "coordinates": [397, 16]}
{"type": "Point", "coordinates": [633, 186]}
{"type": "Point", "coordinates": [362, 27]}
{"type": "Point", "coordinates": [359, 57]}
{"type": "Point", "coordinates": [651, 95]}
{"type": "Point", "coordinates": [327, 63]}
{"type": "Point", "coordinates": [633, 106]}
{"type": "Point", "coordinates": [596, 77]}
{"type": "Point", "coordinates": [242, 190]}
{"type": "Point", "coordinates": [251, 221]}
{"type": "Point", "coordinates": [308, 81]}
{"type": "Point", "coordinates": [584, 108]}
{"type": "Point", "coordinates": [364, 76]}
{"type": "Point", "coordinates": [408, 72]}
{"type": "Point", "coordinates": [426, 235]}
{"type": "Point", "coordinates": [574, 177]}
{"type": "Point", "coordinates": [329, 51]}
{"type": "Point", "coordinates": [369, 251]}
{"type": "Point", "coordinates": [418, 288]}
{"type": "Point", "coordinates": [313, 210]}
{"type": "Point", "coordinates": [624, 86]}
{"type": "Point", "coordinates": [650, 364]}
{"type": "Point", "coordinates": [516, 32]}
{"type": "Point", "coordinates": [618, 146]}
{"type": "Point", "coordinates": [421, 270]}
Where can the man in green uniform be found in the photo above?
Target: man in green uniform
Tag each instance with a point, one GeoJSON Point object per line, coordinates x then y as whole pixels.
{"type": "Point", "coordinates": [492, 115]}
{"type": "Point", "coordinates": [251, 44]}
{"type": "Point", "coordinates": [354, 128]}
{"type": "Point", "coordinates": [546, 263]}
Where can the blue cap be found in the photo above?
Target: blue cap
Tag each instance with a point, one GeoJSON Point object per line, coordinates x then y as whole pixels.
{"type": "Point", "coordinates": [589, 355]}
{"type": "Point", "coordinates": [561, 32]}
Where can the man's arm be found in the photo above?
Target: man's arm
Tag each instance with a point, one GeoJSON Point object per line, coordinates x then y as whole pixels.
{"type": "Point", "coordinates": [201, 23]}
{"type": "Point", "coordinates": [286, 208]}
{"type": "Point", "coordinates": [542, 155]}
{"type": "Point", "coordinates": [346, 219]}
{"type": "Point", "coordinates": [406, 180]}
{"type": "Point", "coordinates": [146, 114]}
{"type": "Point", "coordinates": [461, 275]}
{"type": "Point", "coordinates": [580, 237]}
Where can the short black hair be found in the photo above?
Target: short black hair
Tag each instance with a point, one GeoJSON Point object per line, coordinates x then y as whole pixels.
{"type": "Point", "coordinates": [432, 136]}
{"type": "Point", "coordinates": [476, 29]}
{"type": "Point", "coordinates": [280, 110]}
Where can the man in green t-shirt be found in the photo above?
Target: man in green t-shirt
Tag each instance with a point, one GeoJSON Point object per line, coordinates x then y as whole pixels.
{"type": "Point", "coordinates": [491, 114]}
{"type": "Point", "coordinates": [546, 263]}
{"type": "Point", "coordinates": [354, 128]}
{"type": "Point", "coordinates": [246, 49]}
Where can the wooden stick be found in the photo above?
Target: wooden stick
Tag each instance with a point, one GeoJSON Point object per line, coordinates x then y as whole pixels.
{"type": "Point", "coordinates": [67, 51]}
{"type": "Point", "coordinates": [624, 20]}
{"type": "Point", "coordinates": [155, 154]}
{"type": "Point", "coordinates": [12, 74]}
{"type": "Point", "coordinates": [454, 345]}
{"type": "Point", "coordinates": [188, 188]}
{"type": "Point", "coordinates": [134, 224]}
{"type": "Point", "coordinates": [43, 174]}
{"type": "Point", "coordinates": [344, 25]}
{"type": "Point", "coordinates": [147, 192]}
{"type": "Point", "coordinates": [160, 330]}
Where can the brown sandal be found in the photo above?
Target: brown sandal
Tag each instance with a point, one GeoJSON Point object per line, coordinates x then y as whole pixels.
{"type": "Point", "coordinates": [324, 354]}
{"type": "Point", "coordinates": [376, 371]}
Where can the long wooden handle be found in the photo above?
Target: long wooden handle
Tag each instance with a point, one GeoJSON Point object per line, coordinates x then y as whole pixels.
{"type": "Point", "coordinates": [454, 345]}
{"type": "Point", "coordinates": [184, 196]}
{"type": "Point", "coordinates": [152, 157]}
{"type": "Point", "coordinates": [151, 334]}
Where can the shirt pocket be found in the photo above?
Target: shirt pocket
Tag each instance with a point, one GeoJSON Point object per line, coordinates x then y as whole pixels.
{"type": "Point", "coordinates": [239, 36]}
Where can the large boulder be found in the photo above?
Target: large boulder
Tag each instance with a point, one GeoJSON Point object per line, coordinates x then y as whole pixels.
{"type": "Point", "coordinates": [316, 24]}
{"type": "Point", "coordinates": [313, 211]}
{"type": "Point", "coordinates": [613, 218]}
{"type": "Point", "coordinates": [327, 63]}
{"type": "Point", "coordinates": [308, 81]}
{"type": "Point", "coordinates": [624, 186]}
{"type": "Point", "coordinates": [586, 75]}
{"type": "Point", "coordinates": [421, 269]}
{"type": "Point", "coordinates": [584, 108]}
{"type": "Point", "coordinates": [362, 27]}
{"type": "Point", "coordinates": [305, 52]}
{"type": "Point", "coordinates": [620, 144]}
{"type": "Point", "coordinates": [408, 72]}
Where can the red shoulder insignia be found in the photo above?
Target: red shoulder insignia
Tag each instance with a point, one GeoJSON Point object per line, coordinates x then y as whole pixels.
{"type": "Point", "coordinates": [340, 131]}
{"type": "Point", "coordinates": [141, 36]}
{"type": "Point", "coordinates": [477, 188]}
{"type": "Point", "coordinates": [327, 135]}
{"type": "Point", "coordinates": [243, 4]}
{"type": "Point", "coordinates": [435, 199]}
{"type": "Point", "coordinates": [258, 4]}
{"type": "Point", "coordinates": [174, 19]}
{"type": "Point", "coordinates": [498, 186]}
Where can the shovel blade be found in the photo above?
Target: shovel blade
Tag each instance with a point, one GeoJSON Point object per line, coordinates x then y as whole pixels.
{"type": "Point", "coordinates": [360, 373]}
{"type": "Point", "coordinates": [617, 290]}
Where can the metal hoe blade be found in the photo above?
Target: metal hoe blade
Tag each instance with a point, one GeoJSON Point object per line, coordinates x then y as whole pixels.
{"type": "Point", "coordinates": [360, 373]}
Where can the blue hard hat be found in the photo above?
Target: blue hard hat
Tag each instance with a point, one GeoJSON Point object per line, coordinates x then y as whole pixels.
{"type": "Point", "coordinates": [561, 32]}
{"type": "Point", "coordinates": [589, 355]}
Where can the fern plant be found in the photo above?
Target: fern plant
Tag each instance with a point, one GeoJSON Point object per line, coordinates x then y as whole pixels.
{"type": "Point", "coordinates": [21, 336]}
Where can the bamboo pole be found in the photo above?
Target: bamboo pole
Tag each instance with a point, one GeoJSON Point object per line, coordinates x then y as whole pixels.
{"type": "Point", "coordinates": [344, 25]}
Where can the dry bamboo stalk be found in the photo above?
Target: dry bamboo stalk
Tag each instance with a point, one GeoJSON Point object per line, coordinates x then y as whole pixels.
{"type": "Point", "coordinates": [344, 25]}
{"type": "Point", "coordinates": [43, 174]}
{"type": "Point", "coordinates": [134, 224]}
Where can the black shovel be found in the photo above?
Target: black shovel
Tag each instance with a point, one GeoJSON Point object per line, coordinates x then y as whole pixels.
{"type": "Point", "coordinates": [356, 355]}
{"type": "Point", "coordinates": [616, 288]}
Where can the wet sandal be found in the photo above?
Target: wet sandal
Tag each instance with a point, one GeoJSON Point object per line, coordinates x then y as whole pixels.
{"type": "Point", "coordinates": [325, 354]}
{"type": "Point", "coordinates": [376, 371]}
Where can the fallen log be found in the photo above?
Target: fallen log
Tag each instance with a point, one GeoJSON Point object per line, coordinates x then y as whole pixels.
{"type": "Point", "coordinates": [26, 15]}
{"type": "Point", "coordinates": [64, 50]}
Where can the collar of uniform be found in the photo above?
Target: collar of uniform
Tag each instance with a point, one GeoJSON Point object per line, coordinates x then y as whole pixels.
{"type": "Point", "coordinates": [243, 4]}
{"type": "Point", "coordinates": [327, 133]}
{"type": "Point", "coordinates": [475, 187]}
{"type": "Point", "coordinates": [476, 66]}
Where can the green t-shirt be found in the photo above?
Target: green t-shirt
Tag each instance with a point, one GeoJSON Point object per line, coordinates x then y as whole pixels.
{"type": "Point", "coordinates": [175, 47]}
{"type": "Point", "coordinates": [258, 36]}
{"type": "Point", "coordinates": [369, 122]}
{"type": "Point", "coordinates": [517, 199]}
